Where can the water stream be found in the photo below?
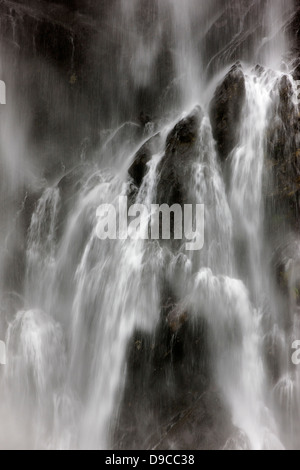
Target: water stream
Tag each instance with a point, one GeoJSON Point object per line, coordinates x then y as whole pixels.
{"type": "Point", "coordinates": [68, 336]}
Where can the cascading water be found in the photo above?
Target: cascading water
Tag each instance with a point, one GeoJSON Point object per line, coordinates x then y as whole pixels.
{"type": "Point", "coordinates": [109, 340]}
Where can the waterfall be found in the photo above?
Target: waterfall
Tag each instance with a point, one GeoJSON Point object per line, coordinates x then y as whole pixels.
{"type": "Point", "coordinates": [109, 341]}
{"type": "Point", "coordinates": [247, 163]}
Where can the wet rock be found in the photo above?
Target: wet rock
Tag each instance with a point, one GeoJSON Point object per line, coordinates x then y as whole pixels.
{"type": "Point", "coordinates": [14, 260]}
{"type": "Point", "coordinates": [139, 167]}
{"type": "Point", "coordinates": [283, 154]}
{"type": "Point", "coordinates": [70, 183]}
{"type": "Point", "coordinates": [202, 426]}
{"type": "Point", "coordinates": [226, 108]}
{"type": "Point", "coordinates": [28, 206]}
{"type": "Point", "coordinates": [177, 318]}
{"type": "Point", "coordinates": [184, 135]}
{"type": "Point", "coordinates": [48, 52]}
{"type": "Point", "coordinates": [220, 46]}
{"type": "Point", "coordinates": [167, 375]}
{"type": "Point", "coordinates": [286, 107]}
{"type": "Point", "coordinates": [294, 31]}
{"type": "Point", "coordinates": [274, 348]}
{"type": "Point", "coordinates": [259, 70]}
{"type": "Point", "coordinates": [46, 28]}
{"type": "Point", "coordinates": [296, 71]}
{"type": "Point", "coordinates": [286, 264]}
{"type": "Point", "coordinates": [176, 165]}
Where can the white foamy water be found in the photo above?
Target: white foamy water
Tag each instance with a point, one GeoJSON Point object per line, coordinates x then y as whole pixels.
{"type": "Point", "coordinates": [84, 299]}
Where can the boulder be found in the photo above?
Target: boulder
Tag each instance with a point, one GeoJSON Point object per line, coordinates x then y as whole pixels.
{"type": "Point", "coordinates": [226, 108]}
{"type": "Point", "coordinates": [139, 167]}
{"type": "Point", "coordinates": [283, 154]}
{"type": "Point", "coordinates": [181, 152]}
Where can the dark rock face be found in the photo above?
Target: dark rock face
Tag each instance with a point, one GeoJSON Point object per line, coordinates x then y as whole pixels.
{"type": "Point", "coordinates": [178, 413]}
{"type": "Point", "coordinates": [282, 198]}
{"type": "Point", "coordinates": [71, 182]}
{"type": "Point", "coordinates": [184, 135]}
{"type": "Point", "coordinates": [164, 396]}
{"type": "Point", "coordinates": [181, 152]}
{"type": "Point", "coordinates": [15, 256]}
{"type": "Point", "coordinates": [234, 19]}
{"type": "Point", "coordinates": [44, 59]}
{"type": "Point", "coordinates": [226, 108]}
{"type": "Point", "coordinates": [285, 265]}
{"type": "Point", "coordinates": [52, 31]}
{"type": "Point", "coordinates": [294, 32]}
{"type": "Point", "coordinates": [283, 155]}
{"type": "Point", "coordinates": [139, 168]}
{"type": "Point", "coordinates": [281, 133]}
{"type": "Point", "coordinates": [203, 426]}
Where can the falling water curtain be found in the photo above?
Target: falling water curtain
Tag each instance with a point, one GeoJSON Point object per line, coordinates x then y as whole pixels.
{"type": "Point", "coordinates": [149, 227]}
